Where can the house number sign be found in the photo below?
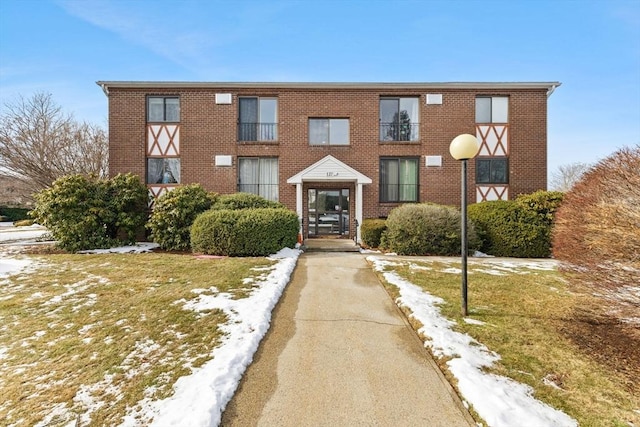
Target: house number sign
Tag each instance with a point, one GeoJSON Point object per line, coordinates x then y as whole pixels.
{"type": "Point", "coordinates": [332, 173]}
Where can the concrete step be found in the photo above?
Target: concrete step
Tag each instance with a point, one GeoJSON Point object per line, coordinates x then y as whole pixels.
{"type": "Point", "coordinates": [330, 245]}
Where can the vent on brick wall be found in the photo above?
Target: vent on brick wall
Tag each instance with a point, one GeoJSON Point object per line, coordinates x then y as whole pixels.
{"type": "Point", "coordinates": [433, 161]}
{"type": "Point", "coordinates": [223, 98]}
{"type": "Point", "coordinates": [434, 99]}
{"type": "Point", "coordinates": [223, 161]}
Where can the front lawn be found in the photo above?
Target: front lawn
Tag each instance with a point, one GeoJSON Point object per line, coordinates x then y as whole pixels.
{"type": "Point", "coordinates": [88, 337]}
{"type": "Point", "coordinates": [527, 314]}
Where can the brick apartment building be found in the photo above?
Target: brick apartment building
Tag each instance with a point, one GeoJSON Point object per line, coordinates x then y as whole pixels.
{"type": "Point", "coordinates": [334, 152]}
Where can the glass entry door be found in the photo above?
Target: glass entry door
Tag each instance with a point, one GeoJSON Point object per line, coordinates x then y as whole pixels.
{"type": "Point", "coordinates": [328, 212]}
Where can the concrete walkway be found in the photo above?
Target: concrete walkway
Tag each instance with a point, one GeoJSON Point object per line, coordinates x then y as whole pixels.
{"type": "Point", "coordinates": [339, 353]}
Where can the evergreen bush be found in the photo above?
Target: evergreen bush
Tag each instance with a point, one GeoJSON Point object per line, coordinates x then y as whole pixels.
{"type": "Point", "coordinates": [371, 232]}
{"type": "Point", "coordinates": [88, 213]}
{"type": "Point", "coordinates": [14, 213]}
{"type": "Point", "coordinates": [244, 201]}
{"type": "Point", "coordinates": [426, 229]}
{"type": "Point", "coordinates": [244, 232]}
{"type": "Point", "coordinates": [173, 214]}
{"type": "Point", "coordinates": [511, 229]}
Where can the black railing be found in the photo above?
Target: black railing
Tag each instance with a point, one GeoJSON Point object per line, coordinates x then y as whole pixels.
{"type": "Point", "coordinates": [398, 131]}
{"type": "Point", "coordinates": [257, 131]}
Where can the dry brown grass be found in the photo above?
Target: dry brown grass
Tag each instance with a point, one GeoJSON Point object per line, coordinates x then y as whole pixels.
{"type": "Point", "coordinates": [108, 328]}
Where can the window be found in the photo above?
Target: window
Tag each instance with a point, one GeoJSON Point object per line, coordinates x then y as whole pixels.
{"type": "Point", "coordinates": [329, 131]}
{"type": "Point", "coordinates": [163, 170]}
{"type": "Point", "coordinates": [258, 175]}
{"type": "Point", "coordinates": [163, 109]}
{"type": "Point", "coordinates": [399, 119]}
{"type": "Point", "coordinates": [399, 179]}
{"type": "Point", "coordinates": [258, 119]}
{"type": "Point", "coordinates": [492, 109]}
{"type": "Point", "coordinates": [492, 171]}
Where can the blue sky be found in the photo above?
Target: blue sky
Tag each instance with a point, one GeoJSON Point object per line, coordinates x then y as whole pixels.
{"type": "Point", "coordinates": [593, 47]}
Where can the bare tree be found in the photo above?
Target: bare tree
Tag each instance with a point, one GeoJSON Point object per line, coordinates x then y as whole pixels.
{"type": "Point", "coordinates": [39, 143]}
{"type": "Point", "coordinates": [566, 176]}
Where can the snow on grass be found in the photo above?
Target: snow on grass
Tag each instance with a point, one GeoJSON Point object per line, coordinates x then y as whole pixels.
{"type": "Point", "coordinates": [500, 401]}
{"type": "Point", "coordinates": [138, 248]}
{"type": "Point", "coordinates": [10, 234]}
{"type": "Point", "coordinates": [200, 398]}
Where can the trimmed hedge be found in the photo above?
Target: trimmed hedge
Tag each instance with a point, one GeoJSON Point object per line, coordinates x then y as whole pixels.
{"type": "Point", "coordinates": [88, 213]}
{"type": "Point", "coordinates": [244, 201]}
{"type": "Point", "coordinates": [426, 229]}
{"type": "Point", "coordinates": [244, 232]}
{"type": "Point", "coordinates": [371, 232]}
{"type": "Point", "coordinates": [14, 214]}
{"type": "Point", "coordinates": [173, 214]}
{"type": "Point", "coordinates": [512, 229]}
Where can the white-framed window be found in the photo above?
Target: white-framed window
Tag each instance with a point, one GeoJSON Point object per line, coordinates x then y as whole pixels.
{"type": "Point", "coordinates": [399, 119]}
{"type": "Point", "coordinates": [257, 119]}
{"type": "Point", "coordinates": [258, 175]}
{"type": "Point", "coordinates": [329, 131]}
{"type": "Point", "coordinates": [399, 179]}
{"type": "Point", "coordinates": [163, 109]}
{"type": "Point", "coordinates": [492, 109]}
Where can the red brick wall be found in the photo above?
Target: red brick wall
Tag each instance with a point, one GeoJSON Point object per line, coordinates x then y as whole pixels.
{"type": "Point", "coordinates": [208, 129]}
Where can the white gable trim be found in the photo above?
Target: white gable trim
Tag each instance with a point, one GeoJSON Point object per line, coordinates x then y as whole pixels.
{"type": "Point", "coordinates": [329, 169]}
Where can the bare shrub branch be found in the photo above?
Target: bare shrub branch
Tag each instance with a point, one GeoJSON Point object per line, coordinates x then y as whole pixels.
{"type": "Point", "coordinates": [597, 229]}
{"type": "Point", "coordinates": [566, 176]}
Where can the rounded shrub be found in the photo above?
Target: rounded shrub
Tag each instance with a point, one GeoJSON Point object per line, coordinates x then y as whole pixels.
{"type": "Point", "coordinates": [511, 229]}
{"type": "Point", "coordinates": [426, 229]}
{"type": "Point", "coordinates": [371, 232]}
{"type": "Point", "coordinates": [244, 232]}
{"type": "Point", "coordinates": [88, 213]}
{"type": "Point", "coordinates": [244, 201]}
{"type": "Point", "coordinates": [173, 214]}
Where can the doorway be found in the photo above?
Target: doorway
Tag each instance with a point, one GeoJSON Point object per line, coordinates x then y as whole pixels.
{"type": "Point", "coordinates": [328, 212]}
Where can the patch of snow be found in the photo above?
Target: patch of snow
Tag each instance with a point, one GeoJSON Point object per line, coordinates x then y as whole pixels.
{"type": "Point", "coordinates": [473, 321]}
{"type": "Point", "coordinates": [478, 254]}
{"type": "Point", "coordinates": [25, 234]}
{"type": "Point", "coordinates": [138, 248]}
{"type": "Point", "coordinates": [200, 397]}
{"type": "Point", "coordinates": [501, 401]}
{"type": "Point", "coordinates": [452, 270]}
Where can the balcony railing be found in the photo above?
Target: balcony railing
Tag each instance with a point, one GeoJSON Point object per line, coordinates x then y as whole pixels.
{"type": "Point", "coordinates": [397, 131]}
{"type": "Point", "coordinates": [257, 132]}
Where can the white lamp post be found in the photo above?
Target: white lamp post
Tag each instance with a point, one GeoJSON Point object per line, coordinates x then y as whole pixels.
{"type": "Point", "coordinates": [464, 147]}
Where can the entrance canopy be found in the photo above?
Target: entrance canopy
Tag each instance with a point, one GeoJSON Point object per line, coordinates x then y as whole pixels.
{"type": "Point", "coordinates": [330, 169]}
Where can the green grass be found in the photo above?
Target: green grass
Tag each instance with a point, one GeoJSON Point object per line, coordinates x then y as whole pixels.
{"type": "Point", "coordinates": [524, 312]}
{"type": "Point", "coordinates": [111, 325]}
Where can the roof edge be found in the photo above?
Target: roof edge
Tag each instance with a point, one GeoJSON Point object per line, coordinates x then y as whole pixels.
{"type": "Point", "coordinates": [327, 85]}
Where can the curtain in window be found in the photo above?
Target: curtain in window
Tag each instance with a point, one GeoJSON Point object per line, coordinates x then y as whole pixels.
{"type": "Point", "coordinates": [171, 171]}
{"type": "Point", "coordinates": [155, 109]}
{"type": "Point", "coordinates": [154, 171]}
{"type": "Point", "coordinates": [269, 179]}
{"type": "Point", "coordinates": [389, 180]}
{"type": "Point", "coordinates": [248, 175]}
{"type": "Point", "coordinates": [408, 176]}
{"type": "Point", "coordinates": [248, 119]}
{"type": "Point", "coordinates": [163, 171]}
{"type": "Point", "coordinates": [172, 109]}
